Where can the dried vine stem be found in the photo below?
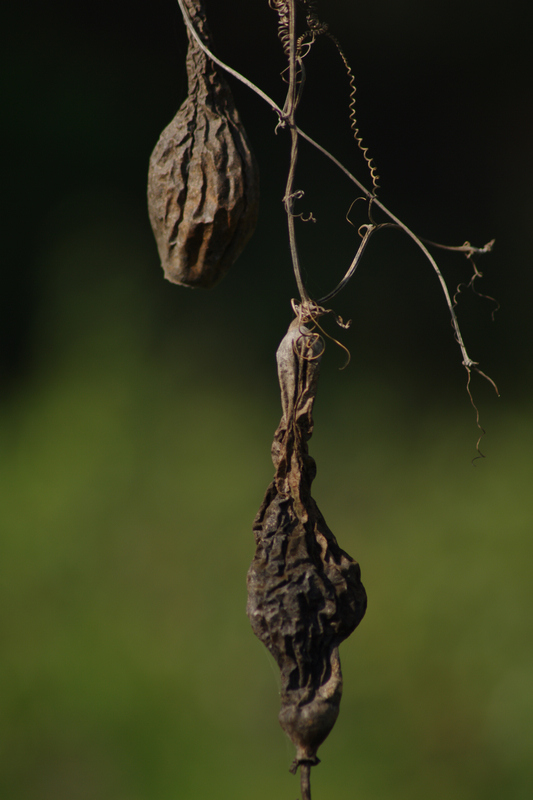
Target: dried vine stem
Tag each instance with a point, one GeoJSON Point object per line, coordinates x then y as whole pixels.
{"type": "Point", "coordinates": [290, 111]}
{"type": "Point", "coordinates": [305, 781]}
{"type": "Point", "coordinates": [468, 363]}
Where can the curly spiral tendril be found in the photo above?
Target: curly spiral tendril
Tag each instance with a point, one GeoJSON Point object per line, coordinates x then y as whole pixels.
{"type": "Point", "coordinates": [304, 43]}
{"type": "Point", "coordinates": [315, 27]}
{"type": "Point", "coordinates": [353, 116]}
{"type": "Point", "coordinates": [313, 22]}
{"type": "Point", "coordinates": [281, 7]}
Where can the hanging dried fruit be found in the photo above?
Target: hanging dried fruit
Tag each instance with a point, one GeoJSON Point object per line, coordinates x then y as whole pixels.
{"type": "Point", "coordinates": [305, 594]}
{"type": "Point", "coordinates": [203, 182]}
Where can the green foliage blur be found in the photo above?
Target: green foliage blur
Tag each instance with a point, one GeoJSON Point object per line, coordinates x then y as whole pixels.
{"type": "Point", "coordinates": [137, 417]}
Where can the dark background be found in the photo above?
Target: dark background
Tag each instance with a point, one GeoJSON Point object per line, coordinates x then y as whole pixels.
{"type": "Point", "coordinates": [137, 416]}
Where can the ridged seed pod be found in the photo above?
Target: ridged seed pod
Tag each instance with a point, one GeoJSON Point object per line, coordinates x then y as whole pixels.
{"type": "Point", "coordinates": [203, 182]}
{"type": "Point", "coordinates": [305, 594]}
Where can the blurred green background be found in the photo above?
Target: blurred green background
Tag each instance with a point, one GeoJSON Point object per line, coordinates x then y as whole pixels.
{"type": "Point", "coordinates": [137, 416]}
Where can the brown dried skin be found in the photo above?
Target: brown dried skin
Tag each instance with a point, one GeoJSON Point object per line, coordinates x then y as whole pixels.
{"type": "Point", "coordinates": [305, 594]}
{"type": "Point", "coordinates": [203, 182]}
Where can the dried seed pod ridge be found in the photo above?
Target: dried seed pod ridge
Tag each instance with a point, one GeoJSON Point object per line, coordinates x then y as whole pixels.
{"type": "Point", "coordinates": [305, 594]}
{"type": "Point", "coordinates": [203, 182]}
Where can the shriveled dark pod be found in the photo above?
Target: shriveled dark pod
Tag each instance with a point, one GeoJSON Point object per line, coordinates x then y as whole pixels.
{"type": "Point", "coordinates": [203, 182]}
{"type": "Point", "coordinates": [305, 594]}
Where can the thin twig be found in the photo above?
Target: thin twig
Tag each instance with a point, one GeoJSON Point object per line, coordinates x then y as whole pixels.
{"type": "Point", "coordinates": [290, 195]}
{"type": "Point", "coordinates": [370, 229]}
{"type": "Point", "coordinates": [467, 248]}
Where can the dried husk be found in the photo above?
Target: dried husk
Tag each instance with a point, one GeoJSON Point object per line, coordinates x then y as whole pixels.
{"type": "Point", "coordinates": [203, 182]}
{"type": "Point", "coordinates": [305, 594]}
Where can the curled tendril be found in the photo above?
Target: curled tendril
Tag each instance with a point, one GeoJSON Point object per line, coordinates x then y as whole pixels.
{"type": "Point", "coordinates": [309, 338]}
{"type": "Point", "coordinates": [476, 409]}
{"type": "Point", "coordinates": [469, 366]}
{"type": "Point", "coordinates": [308, 313]}
{"type": "Point", "coordinates": [372, 221]}
{"type": "Point", "coordinates": [471, 285]}
{"type": "Point", "coordinates": [357, 199]}
{"type": "Point", "coordinates": [353, 116]}
{"type": "Point", "coordinates": [304, 44]}
{"type": "Point", "coordinates": [281, 7]}
{"type": "Point", "coordinates": [297, 195]}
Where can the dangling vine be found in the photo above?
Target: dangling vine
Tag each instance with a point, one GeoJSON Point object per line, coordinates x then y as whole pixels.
{"type": "Point", "coordinates": [305, 594]}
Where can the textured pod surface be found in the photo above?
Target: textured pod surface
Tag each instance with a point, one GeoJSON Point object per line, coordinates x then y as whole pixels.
{"type": "Point", "coordinates": [203, 182]}
{"type": "Point", "coordinates": [305, 594]}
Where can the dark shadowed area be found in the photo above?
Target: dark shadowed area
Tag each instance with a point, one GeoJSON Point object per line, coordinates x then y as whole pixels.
{"type": "Point", "coordinates": [137, 416]}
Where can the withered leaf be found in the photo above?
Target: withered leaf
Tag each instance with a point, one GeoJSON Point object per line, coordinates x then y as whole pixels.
{"type": "Point", "coordinates": [305, 594]}
{"type": "Point", "coordinates": [203, 182]}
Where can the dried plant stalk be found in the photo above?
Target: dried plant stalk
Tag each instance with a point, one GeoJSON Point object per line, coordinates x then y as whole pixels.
{"type": "Point", "coordinates": [203, 182]}
{"type": "Point", "coordinates": [305, 594]}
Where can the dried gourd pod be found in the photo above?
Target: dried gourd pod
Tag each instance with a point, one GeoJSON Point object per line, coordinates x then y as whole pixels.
{"type": "Point", "coordinates": [305, 594]}
{"type": "Point", "coordinates": [203, 182]}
